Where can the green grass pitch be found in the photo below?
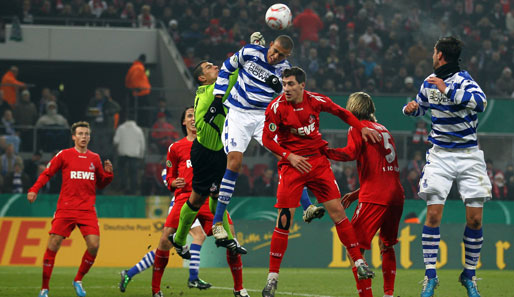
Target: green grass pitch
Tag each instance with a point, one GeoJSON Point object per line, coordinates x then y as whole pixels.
{"type": "Point", "coordinates": [103, 282]}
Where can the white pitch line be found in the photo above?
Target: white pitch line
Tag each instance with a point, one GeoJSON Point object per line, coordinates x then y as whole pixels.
{"type": "Point", "coordinates": [276, 292]}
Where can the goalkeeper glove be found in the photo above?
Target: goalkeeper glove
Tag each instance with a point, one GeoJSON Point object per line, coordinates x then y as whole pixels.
{"type": "Point", "coordinates": [215, 109]}
{"type": "Point", "coordinates": [257, 39]}
{"type": "Point", "coordinates": [273, 82]}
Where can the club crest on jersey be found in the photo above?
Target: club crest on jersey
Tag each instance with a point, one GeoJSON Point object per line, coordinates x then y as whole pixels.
{"type": "Point", "coordinates": [272, 127]}
{"type": "Point", "coordinates": [425, 184]}
{"type": "Point", "coordinates": [312, 118]}
{"type": "Point", "coordinates": [91, 166]}
{"type": "Point", "coordinates": [233, 142]}
{"type": "Point", "coordinates": [168, 163]}
{"type": "Point", "coordinates": [213, 188]}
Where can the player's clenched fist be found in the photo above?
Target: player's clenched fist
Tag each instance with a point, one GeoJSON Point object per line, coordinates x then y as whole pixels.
{"type": "Point", "coordinates": [411, 107]}
{"type": "Point", "coordinates": [370, 135]}
{"type": "Point", "coordinates": [107, 166]}
{"type": "Point", "coordinates": [31, 197]}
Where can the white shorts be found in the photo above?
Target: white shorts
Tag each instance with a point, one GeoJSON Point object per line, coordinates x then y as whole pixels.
{"type": "Point", "coordinates": [464, 166]}
{"type": "Point", "coordinates": [240, 127]}
{"type": "Point", "coordinates": [196, 223]}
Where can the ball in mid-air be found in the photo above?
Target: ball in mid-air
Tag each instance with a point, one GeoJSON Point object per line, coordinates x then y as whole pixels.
{"type": "Point", "coordinates": [278, 16]}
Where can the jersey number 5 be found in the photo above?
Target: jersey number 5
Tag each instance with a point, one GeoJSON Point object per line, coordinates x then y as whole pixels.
{"type": "Point", "coordinates": [388, 146]}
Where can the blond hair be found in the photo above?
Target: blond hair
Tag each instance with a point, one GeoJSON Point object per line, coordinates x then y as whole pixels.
{"type": "Point", "coordinates": [79, 124]}
{"type": "Point", "coordinates": [362, 106]}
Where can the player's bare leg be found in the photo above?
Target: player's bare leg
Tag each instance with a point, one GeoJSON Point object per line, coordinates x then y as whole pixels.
{"type": "Point", "coordinates": [278, 248]}
{"type": "Point", "coordinates": [347, 236]}
{"type": "Point", "coordinates": [54, 244]}
{"type": "Point", "coordinates": [92, 244]}
{"type": "Point", "coordinates": [161, 259]}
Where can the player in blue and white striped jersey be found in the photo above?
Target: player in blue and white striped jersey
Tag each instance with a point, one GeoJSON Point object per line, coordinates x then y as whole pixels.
{"type": "Point", "coordinates": [454, 99]}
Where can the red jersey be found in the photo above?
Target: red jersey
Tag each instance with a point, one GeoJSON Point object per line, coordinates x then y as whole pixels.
{"type": "Point", "coordinates": [296, 126]}
{"type": "Point", "coordinates": [178, 164]}
{"type": "Point", "coordinates": [377, 165]}
{"type": "Point", "coordinates": [81, 174]}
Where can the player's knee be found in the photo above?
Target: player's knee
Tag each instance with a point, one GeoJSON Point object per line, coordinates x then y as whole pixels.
{"type": "Point", "coordinates": [284, 219]}
{"type": "Point", "coordinates": [93, 248]}
{"type": "Point", "coordinates": [474, 222]}
{"type": "Point", "coordinates": [433, 218]}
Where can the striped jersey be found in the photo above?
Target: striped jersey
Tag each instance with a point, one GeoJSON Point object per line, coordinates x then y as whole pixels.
{"type": "Point", "coordinates": [250, 90]}
{"type": "Point", "coordinates": [454, 115]}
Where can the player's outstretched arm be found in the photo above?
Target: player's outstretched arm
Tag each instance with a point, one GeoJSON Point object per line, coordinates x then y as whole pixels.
{"type": "Point", "coordinates": [411, 108]}
{"type": "Point", "coordinates": [31, 196]}
{"type": "Point", "coordinates": [348, 198]}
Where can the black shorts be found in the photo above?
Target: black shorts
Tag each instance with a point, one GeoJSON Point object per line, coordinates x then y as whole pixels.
{"type": "Point", "coordinates": [208, 169]}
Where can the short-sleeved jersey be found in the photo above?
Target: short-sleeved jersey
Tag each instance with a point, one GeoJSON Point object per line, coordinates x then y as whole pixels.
{"type": "Point", "coordinates": [81, 174]}
{"type": "Point", "coordinates": [377, 164]}
{"type": "Point", "coordinates": [205, 133]}
{"type": "Point", "coordinates": [178, 164]}
{"type": "Point", "coordinates": [296, 126]}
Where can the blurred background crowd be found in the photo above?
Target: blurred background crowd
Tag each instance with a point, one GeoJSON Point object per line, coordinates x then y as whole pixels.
{"type": "Point", "coordinates": [380, 46]}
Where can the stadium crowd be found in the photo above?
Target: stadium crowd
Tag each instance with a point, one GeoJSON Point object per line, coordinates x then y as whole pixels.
{"type": "Point", "coordinates": [344, 46]}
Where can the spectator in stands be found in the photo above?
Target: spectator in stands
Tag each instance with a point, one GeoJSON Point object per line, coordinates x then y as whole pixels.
{"type": "Point", "coordinates": [111, 14]}
{"type": "Point", "coordinates": [243, 183]}
{"type": "Point", "coordinates": [162, 107]}
{"type": "Point", "coordinates": [26, 14]}
{"type": "Point", "coordinates": [139, 88]}
{"type": "Point", "coordinates": [163, 133]}
{"type": "Point", "coordinates": [420, 137]}
{"type": "Point", "coordinates": [505, 83]}
{"type": "Point", "coordinates": [174, 31]}
{"type": "Point", "coordinates": [86, 15]}
{"type": "Point", "coordinates": [16, 181]}
{"type": "Point", "coordinates": [510, 188]}
{"type": "Point", "coordinates": [130, 146]}
{"type": "Point", "coordinates": [417, 163]}
{"type": "Point", "coordinates": [3, 104]}
{"type": "Point", "coordinates": [129, 14]}
{"type": "Point", "coordinates": [102, 114]}
{"type": "Point", "coordinates": [31, 166]}
{"type": "Point", "coordinates": [371, 40]}
{"type": "Point", "coordinates": [7, 130]}
{"type": "Point", "coordinates": [408, 86]}
{"type": "Point", "coordinates": [410, 185]}
{"type": "Point", "coordinates": [97, 7]}
{"type": "Point", "coordinates": [145, 19]}
{"type": "Point", "coordinates": [10, 85]}
{"type": "Point", "coordinates": [500, 189]}
{"type": "Point", "coordinates": [8, 160]}
{"type": "Point", "coordinates": [52, 129]}
{"type": "Point", "coordinates": [309, 24]}
{"type": "Point", "coordinates": [25, 115]}
{"type": "Point", "coordinates": [265, 184]}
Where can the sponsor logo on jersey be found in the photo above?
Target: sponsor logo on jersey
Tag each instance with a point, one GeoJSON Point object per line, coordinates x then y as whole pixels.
{"type": "Point", "coordinates": [82, 175]}
{"type": "Point", "coordinates": [272, 127]}
{"type": "Point", "coordinates": [435, 96]}
{"type": "Point", "coordinates": [305, 130]}
{"type": "Point", "coordinates": [257, 71]}
{"type": "Point", "coordinates": [189, 164]}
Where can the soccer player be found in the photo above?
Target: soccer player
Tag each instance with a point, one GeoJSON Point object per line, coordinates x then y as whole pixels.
{"type": "Point", "coordinates": [293, 120]}
{"type": "Point", "coordinates": [82, 172]}
{"type": "Point", "coordinates": [177, 177]}
{"type": "Point", "coordinates": [454, 99]}
{"type": "Point", "coordinates": [258, 80]}
{"type": "Point", "coordinates": [208, 161]}
{"type": "Point", "coordinates": [380, 196]}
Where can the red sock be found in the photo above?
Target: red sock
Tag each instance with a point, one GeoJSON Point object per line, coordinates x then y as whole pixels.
{"type": "Point", "coordinates": [389, 270]}
{"type": "Point", "coordinates": [85, 265]}
{"type": "Point", "coordinates": [363, 286]}
{"type": "Point", "coordinates": [48, 266]}
{"type": "Point", "coordinates": [347, 236]}
{"type": "Point", "coordinates": [277, 249]}
{"type": "Point", "coordinates": [161, 260]}
{"type": "Point", "coordinates": [236, 267]}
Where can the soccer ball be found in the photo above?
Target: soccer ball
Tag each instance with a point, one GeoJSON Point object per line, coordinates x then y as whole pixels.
{"type": "Point", "coordinates": [278, 16]}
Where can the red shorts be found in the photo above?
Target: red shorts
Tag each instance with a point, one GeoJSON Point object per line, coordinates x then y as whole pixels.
{"type": "Point", "coordinates": [320, 180]}
{"type": "Point", "coordinates": [205, 216]}
{"type": "Point", "coordinates": [370, 217]}
{"type": "Point", "coordinates": [64, 222]}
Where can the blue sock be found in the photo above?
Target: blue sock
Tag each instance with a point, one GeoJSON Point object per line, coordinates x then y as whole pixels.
{"type": "Point", "coordinates": [472, 245]}
{"type": "Point", "coordinates": [194, 263]}
{"type": "Point", "coordinates": [305, 201]}
{"type": "Point", "coordinates": [142, 265]}
{"type": "Point", "coordinates": [226, 189]}
{"type": "Point", "coordinates": [430, 241]}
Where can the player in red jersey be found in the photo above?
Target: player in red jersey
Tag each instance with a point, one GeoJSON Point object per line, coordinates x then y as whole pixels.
{"type": "Point", "coordinates": [293, 119]}
{"type": "Point", "coordinates": [82, 172]}
{"type": "Point", "coordinates": [179, 176]}
{"type": "Point", "coordinates": [380, 195]}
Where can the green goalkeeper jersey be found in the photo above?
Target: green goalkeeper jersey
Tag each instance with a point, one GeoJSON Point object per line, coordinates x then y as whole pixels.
{"type": "Point", "coordinates": [205, 133]}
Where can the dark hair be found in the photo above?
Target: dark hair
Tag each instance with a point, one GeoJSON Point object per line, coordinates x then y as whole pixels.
{"type": "Point", "coordinates": [297, 72]}
{"type": "Point", "coordinates": [285, 41]}
{"type": "Point", "coordinates": [79, 124]}
{"type": "Point", "coordinates": [450, 47]}
{"type": "Point", "coordinates": [142, 58]}
{"type": "Point", "coordinates": [197, 71]}
{"type": "Point", "coordinates": [182, 118]}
